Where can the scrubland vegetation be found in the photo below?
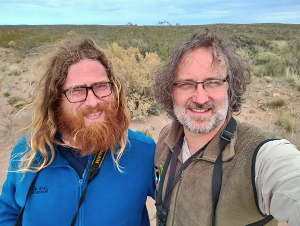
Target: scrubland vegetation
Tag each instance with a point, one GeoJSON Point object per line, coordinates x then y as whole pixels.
{"type": "Point", "coordinates": [270, 50]}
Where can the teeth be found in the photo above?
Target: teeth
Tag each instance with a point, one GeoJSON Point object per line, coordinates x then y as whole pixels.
{"type": "Point", "coordinates": [94, 114]}
{"type": "Point", "coordinates": [199, 110]}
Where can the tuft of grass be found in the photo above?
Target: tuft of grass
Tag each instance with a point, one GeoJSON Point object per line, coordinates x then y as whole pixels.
{"type": "Point", "coordinates": [3, 68]}
{"type": "Point", "coordinates": [14, 73]}
{"type": "Point", "coordinates": [276, 102]}
{"type": "Point", "coordinates": [286, 123]}
{"type": "Point", "coordinates": [6, 94]}
{"type": "Point", "coordinates": [15, 99]}
{"type": "Point", "coordinates": [17, 59]}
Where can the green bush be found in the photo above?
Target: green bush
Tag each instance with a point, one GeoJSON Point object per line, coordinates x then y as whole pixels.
{"type": "Point", "coordinates": [6, 94]}
{"type": "Point", "coordinates": [17, 59]}
{"type": "Point", "coordinates": [287, 124]}
{"type": "Point", "coordinates": [16, 99]}
{"type": "Point", "coordinates": [276, 102]}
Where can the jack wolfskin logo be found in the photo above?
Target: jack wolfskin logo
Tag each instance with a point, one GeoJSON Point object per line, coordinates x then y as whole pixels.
{"type": "Point", "coordinates": [40, 190]}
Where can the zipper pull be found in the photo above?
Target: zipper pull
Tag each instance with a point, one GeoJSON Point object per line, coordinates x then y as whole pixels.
{"type": "Point", "coordinates": [80, 182]}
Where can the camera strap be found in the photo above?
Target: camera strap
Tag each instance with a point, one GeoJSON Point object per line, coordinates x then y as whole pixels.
{"type": "Point", "coordinates": [93, 171]}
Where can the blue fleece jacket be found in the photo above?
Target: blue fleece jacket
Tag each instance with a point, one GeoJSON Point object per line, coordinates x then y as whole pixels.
{"type": "Point", "coordinates": [113, 198]}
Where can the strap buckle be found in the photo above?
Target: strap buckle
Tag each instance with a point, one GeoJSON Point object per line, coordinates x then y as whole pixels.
{"type": "Point", "coordinates": [162, 214]}
{"type": "Point", "coordinates": [226, 135]}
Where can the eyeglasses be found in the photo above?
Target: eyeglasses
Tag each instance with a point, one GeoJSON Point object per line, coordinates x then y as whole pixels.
{"type": "Point", "coordinates": [79, 93]}
{"type": "Point", "coordinates": [190, 87]}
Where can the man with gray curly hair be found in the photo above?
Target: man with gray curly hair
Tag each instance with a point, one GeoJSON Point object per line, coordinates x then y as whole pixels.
{"type": "Point", "coordinates": [211, 169]}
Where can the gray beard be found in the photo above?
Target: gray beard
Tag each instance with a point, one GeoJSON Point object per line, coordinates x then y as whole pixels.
{"type": "Point", "coordinates": [218, 116]}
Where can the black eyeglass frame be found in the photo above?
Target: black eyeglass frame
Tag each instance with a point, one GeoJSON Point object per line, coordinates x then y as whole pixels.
{"type": "Point", "coordinates": [197, 83]}
{"type": "Point", "coordinates": [87, 90]}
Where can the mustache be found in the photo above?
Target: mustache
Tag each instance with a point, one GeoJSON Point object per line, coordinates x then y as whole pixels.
{"type": "Point", "coordinates": [208, 104]}
{"type": "Point", "coordinates": [90, 110]}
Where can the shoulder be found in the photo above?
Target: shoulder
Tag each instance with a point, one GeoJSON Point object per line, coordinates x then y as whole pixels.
{"type": "Point", "coordinates": [138, 138]}
{"type": "Point", "coordinates": [278, 148]}
{"type": "Point", "coordinates": [248, 131]}
{"type": "Point", "coordinates": [18, 152]}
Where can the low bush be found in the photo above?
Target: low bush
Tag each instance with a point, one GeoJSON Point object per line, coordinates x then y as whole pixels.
{"type": "Point", "coordinates": [136, 72]}
{"type": "Point", "coordinates": [288, 124]}
{"type": "Point", "coordinates": [16, 100]}
{"type": "Point", "coordinates": [276, 102]}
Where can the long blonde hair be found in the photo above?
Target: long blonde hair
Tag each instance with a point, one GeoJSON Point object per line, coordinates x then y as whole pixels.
{"type": "Point", "coordinates": [43, 127]}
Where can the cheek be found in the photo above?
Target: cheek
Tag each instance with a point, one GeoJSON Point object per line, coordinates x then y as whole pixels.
{"type": "Point", "coordinates": [71, 108]}
{"type": "Point", "coordinates": [179, 99]}
{"type": "Point", "coordinates": [221, 98]}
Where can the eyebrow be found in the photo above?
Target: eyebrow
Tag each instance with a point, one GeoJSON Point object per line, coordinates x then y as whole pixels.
{"type": "Point", "coordinates": [82, 86]}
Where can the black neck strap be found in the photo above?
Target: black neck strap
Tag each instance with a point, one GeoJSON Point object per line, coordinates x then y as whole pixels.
{"type": "Point", "coordinates": [163, 206]}
{"type": "Point", "coordinates": [226, 136]}
{"type": "Point", "coordinates": [93, 171]}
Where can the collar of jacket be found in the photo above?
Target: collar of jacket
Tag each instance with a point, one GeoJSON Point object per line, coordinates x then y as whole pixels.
{"type": "Point", "coordinates": [39, 157]}
{"type": "Point", "coordinates": [212, 150]}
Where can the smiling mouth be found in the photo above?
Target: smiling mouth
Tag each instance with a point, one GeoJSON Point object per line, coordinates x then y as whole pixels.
{"type": "Point", "coordinates": [95, 114]}
{"type": "Point", "coordinates": [199, 110]}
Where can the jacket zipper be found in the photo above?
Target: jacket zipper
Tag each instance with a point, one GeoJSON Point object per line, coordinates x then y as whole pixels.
{"type": "Point", "coordinates": [81, 188]}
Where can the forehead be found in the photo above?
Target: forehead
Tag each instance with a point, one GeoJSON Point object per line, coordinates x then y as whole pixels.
{"type": "Point", "coordinates": [85, 72]}
{"type": "Point", "coordinates": [200, 64]}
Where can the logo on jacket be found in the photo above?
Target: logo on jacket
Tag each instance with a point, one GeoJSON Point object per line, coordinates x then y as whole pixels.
{"type": "Point", "coordinates": [40, 190]}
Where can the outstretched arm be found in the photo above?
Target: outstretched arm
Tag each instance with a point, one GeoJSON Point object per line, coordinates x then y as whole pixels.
{"type": "Point", "coordinates": [277, 180]}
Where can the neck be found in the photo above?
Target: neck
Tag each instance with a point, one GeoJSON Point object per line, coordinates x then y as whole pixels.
{"type": "Point", "coordinates": [195, 141]}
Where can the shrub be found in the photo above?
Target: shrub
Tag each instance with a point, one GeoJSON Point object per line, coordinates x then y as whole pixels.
{"type": "Point", "coordinates": [16, 100]}
{"type": "Point", "coordinates": [3, 68]}
{"type": "Point", "coordinates": [136, 72]}
{"type": "Point", "coordinates": [17, 59]}
{"type": "Point", "coordinates": [6, 94]}
{"type": "Point", "coordinates": [276, 102]}
{"type": "Point", "coordinates": [14, 73]}
{"type": "Point", "coordinates": [285, 123]}
{"type": "Point", "coordinates": [270, 63]}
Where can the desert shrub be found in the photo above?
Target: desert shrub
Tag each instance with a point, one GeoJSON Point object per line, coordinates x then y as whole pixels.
{"type": "Point", "coordinates": [3, 68]}
{"type": "Point", "coordinates": [15, 100]}
{"type": "Point", "coordinates": [9, 81]}
{"type": "Point", "coordinates": [136, 72]}
{"type": "Point", "coordinates": [288, 124]}
{"type": "Point", "coordinates": [6, 94]}
{"type": "Point", "coordinates": [17, 59]}
{"type": "Point", "coordinates": [269, 64]}
{"type": "Point", "coordinates": [14, 73]}
{"type": "Point", "coordinates": [276, 102]}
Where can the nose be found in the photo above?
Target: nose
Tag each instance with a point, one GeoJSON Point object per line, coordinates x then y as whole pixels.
{"type": "Point", "coordinates": [200, 96]}
{"type": "Point", "coordinates": [91, 99]}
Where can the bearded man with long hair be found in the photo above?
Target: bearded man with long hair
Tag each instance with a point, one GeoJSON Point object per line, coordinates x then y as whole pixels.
{"type": "Point", "coordinates": [59, 173]}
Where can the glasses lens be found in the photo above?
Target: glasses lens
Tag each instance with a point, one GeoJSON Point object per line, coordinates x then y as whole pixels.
{"type": "Point", "coordinates": [213, 85]}
{"type": "Point", "coordinates": [186, 87]}
{"type": "Point", "coordinates": [76, 94]}
{"type": "Point", "coordinates": [102, 89]}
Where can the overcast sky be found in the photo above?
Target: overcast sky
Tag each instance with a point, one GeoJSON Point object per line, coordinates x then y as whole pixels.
{"type": "Point", "coordinates": [148, 12]}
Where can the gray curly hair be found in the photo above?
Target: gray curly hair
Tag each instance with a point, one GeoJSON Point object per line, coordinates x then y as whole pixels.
{"type": "Point", "coordinates": [238, 75]}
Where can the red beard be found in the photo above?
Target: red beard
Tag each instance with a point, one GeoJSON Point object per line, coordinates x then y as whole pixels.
{"type": "Point", "coordinates": [90, 139]}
